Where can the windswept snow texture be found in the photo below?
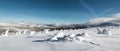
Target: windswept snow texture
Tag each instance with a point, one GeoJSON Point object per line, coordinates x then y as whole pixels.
{"type": "Point", "coordinates": [90, 39]}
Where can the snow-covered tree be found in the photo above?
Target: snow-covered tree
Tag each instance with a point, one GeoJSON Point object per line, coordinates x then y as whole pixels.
{"type": "Point", "coordinates": [106, 31]}
{"type": "Point", "coordinates": [99, 31]}
{"type": "Point", "coordinates": [6, 32]}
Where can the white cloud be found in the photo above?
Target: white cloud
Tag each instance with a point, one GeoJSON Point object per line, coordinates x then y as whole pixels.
{"type": "Point", "coordinates": [113, 18]}
{"type": "Point", "coordinates": [117, 15]}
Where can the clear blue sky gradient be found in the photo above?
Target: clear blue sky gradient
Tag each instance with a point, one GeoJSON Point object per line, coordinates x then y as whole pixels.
{"type": "Point", "coordinates": [56, 11]}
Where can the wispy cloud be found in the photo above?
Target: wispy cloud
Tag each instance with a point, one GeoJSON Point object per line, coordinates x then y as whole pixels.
{"type": "Point", "coordinates": [117, 15]}
{"type": "Point", "coordinates": [106, 11]}
{"type": "Point", "coordinates": [86, 5]}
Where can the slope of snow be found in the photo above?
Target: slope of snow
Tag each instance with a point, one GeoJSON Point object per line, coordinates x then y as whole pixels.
{"type": "Point", "coordinates": [64, 40]}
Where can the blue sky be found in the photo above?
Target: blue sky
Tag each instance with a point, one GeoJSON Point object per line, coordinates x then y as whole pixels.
{"type": "Point", "coordinates": [56, 11]}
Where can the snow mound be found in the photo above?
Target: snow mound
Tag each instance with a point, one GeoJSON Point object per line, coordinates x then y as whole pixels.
{"type": "Point", "coordinates": [60, 36]}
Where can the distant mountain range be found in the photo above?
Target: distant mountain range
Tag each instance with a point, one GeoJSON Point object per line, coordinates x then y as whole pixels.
{"type": "Point", "coordinates": [103, 22]}
{"type": "Point", "coordinates": [92, 23]}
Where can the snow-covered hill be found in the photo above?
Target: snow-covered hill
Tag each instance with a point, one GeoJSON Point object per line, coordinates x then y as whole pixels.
{"type": "Point", "coordinates": [103, 36]}
{"type": "Point", "coordinates": [90, 39]}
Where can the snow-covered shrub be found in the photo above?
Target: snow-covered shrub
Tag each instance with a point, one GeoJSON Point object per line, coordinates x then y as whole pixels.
{"type": "Point", "coordinates": [99, 31]}
{"type": "Point", "coordinates": [105, 31]}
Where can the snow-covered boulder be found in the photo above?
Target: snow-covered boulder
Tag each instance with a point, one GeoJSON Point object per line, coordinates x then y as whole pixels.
{"type": "Point", "coordinates": [74, 37]}
{"type": "Point", "coordinates": [32, 32]}
{"type": "Point", "coordinates": [54, 38]}
{"type": "Point", "coordinates": [46, 31]}
{"type": "Point", "coordinates": [85, 34]}
{"type": "Point", "coordinates": [58, 36]}
{"type": "Point", "coordinates": [71, 37]}
{"type": "Point", "coordinates": [80, 38]}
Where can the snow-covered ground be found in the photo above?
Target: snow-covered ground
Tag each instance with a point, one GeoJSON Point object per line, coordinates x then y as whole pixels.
{"type": "Point", "coordinates": [89, 39]}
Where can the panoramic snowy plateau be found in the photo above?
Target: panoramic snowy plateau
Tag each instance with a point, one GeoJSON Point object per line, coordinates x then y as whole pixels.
{"type": "Point", "coordinates": [59, 25]}
{"type": "Point", "coordinates": [103, 36]}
